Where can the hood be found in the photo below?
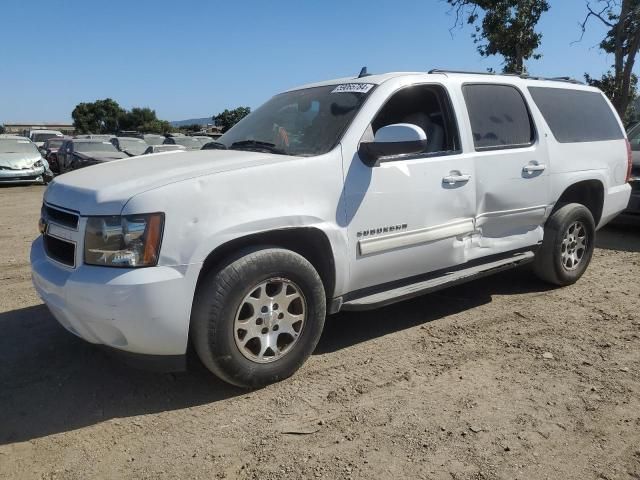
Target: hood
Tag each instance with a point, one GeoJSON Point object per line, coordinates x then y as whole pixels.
{"type": "Point", "coordinates": [19, 161]}
{"type": "Point", "coordinates": [105, 188]}
{"type": "Point", "coordinates": [101, 156]}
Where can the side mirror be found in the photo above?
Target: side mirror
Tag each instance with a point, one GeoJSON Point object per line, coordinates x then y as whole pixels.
{"type": "Point", "coordinates": [392, 141]}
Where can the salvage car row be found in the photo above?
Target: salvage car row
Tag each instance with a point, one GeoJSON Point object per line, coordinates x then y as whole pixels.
{"type": "Point", "coordinates": [44, 153]}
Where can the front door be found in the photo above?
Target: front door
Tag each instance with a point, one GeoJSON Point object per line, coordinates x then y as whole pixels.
{"type": "Point", "coordinates": [410, 215]}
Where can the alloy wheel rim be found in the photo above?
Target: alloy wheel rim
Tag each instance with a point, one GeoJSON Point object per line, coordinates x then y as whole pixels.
{"type": "Point", "coordinates": [574, 246]}
{"type": "Point", "coordinates": [270, 320]}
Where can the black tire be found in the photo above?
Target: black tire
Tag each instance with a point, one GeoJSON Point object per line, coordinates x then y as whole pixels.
{"type": "Point", "coordinates": [219, 298]}
{"type": "Point", "coordinates": [549, 264]}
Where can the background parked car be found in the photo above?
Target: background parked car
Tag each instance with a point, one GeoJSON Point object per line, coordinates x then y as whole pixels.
{"type": "Point", "coordinates": [129, 145]}
{"type": "Point", "coordinates": [191, 143]}
{"type": "Point", "coordinates": [163, 148]}
{"type": "Point", "coordinates": [20, 160]}
{"type": "Point", "coordinates": [82, 152]}
{"type": "Point", "coordinates": [632, 213]}
{"type": "Point", "coordinates": [153, 139]}
{"type": "Point", "coordinates": [50, 149]}
{"type": "Point", "coordinates": [40, 136]}
{"type": "Point", "coordinates": [96, 136]}
{"type": "Point", "coordinates": [203, 139]}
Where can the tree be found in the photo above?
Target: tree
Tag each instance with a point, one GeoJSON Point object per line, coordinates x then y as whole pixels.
{"type": "Point", "coordinates": [136, 117]}
{"type": "Point", "coordinates": [607, 83]}
{"type": "Point", "coordinates": [622, 18]}
{"type": "Point", "coordinates": [106, 116]}
{"type": "Point", "coordinates": [229, 118]}
{"type": "Point", "coordinates": [507, 28]}
{"type": "Point", "coordinates": [156, 126]}
{"type": "Point", "coordinates": [101, 116]}
{"type": "Point", "coordinates": [1, 129]}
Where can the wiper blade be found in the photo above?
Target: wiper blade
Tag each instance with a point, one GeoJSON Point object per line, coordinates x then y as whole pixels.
{"type": "Point", "coordinates": [255, 144]}
{"type": "Point", "coordinates": [215, 146]}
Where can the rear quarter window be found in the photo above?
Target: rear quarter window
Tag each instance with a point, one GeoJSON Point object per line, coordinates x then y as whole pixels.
{"type": "Point", "coordinates": [576, 115]}
{"type": "Point", "coordinates": [499, 116]}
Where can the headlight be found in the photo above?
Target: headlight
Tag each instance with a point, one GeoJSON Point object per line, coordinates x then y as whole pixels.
{"type": "Point", "coordinates": [124, 241]}
{"type": "Point", "coordinates": [38, 164]}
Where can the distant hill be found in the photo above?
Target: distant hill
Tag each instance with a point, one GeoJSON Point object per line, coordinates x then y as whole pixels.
{"type": "Point", "coordinates": [192, 121]}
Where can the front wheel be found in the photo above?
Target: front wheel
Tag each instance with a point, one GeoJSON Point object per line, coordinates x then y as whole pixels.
{"type": "Point", "coordinates": [257, 319]}
{"type": "Point", "coordinates": [567, 247]}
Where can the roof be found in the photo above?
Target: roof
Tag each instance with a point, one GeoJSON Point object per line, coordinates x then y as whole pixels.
{"type": "Point", "coordinates": [89, 140]}
{"type": "Point", "coordinates": [439, 74]}
{"type": "Point", "coordinates": [9, 136]}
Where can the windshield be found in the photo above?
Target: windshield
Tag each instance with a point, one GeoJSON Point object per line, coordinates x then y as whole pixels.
{"type": "Point", "coordinates": [303, 122]}
{"type": "Point", "coordinates": [154, 139]}
{"type": "Point", "coordinates": [94, 147]}
{"type": "Point", "coordinates": [55, 143]}
{"type": "Point", "coordinates": [17, 146]}
{"type": "Point", "coordinates": [188, 142]}
{"type": "Point", "coordinates": [634, 137]}
{"type": "Point", "coordinates": [133, 145]}
{"type": "Point", "coordinates": [42, 137]}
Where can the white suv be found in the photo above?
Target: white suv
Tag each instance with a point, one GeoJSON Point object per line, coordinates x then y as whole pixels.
{"type": "Point", "coordinates": [342, 195]}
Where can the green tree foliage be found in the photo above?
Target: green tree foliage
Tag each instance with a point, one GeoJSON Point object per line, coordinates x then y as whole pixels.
{"type": "Point", "coordinates": [607, 83]}
{"type": "Point", "coordinates": [2, 130]}
{"type": "Point", "coordinates": [229, 118]}
{"type": "Point", "coordinates": [503, 27]}
{"type": "Point", "coordinates": [106, 116]}
{"type": "Point", "coordinates": [136, 117]}
{"type": "Point", "coordinates": [622, 18]}
{"type": "Point", "coordinates": [101, 116]}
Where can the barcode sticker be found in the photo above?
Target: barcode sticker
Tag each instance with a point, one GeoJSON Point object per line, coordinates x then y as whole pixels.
{"type": "Point", "coordinates": [353, 88]}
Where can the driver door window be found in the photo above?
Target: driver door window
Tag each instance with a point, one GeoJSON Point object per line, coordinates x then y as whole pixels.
{"type": "Point", "coordinates": [427, 107]}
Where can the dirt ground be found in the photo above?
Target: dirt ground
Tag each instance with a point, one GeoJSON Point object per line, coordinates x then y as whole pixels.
{"type": "Point", "coordinates": [502, 378]}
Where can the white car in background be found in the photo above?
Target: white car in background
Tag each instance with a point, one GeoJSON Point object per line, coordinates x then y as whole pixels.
{"type": "Point", "coordinates": [20, 161]}
{"type": "Point", "coordinates": [342, 195]}
{"type": "Point", "coordinates": [41, 135]}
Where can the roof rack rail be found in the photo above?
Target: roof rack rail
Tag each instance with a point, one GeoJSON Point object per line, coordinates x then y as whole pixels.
{"type": "Point", "coordinates": [519, 75]}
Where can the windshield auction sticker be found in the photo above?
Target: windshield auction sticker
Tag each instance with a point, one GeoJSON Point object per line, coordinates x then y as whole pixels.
{"type": "Point", "coordinates": [353, 88]}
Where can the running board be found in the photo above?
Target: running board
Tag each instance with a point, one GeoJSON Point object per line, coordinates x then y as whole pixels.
{"type": "Point", "coordinates": [446, 280]}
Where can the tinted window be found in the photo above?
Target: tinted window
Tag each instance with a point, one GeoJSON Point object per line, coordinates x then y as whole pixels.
{"type": "Point", "coordinates": [499, 116]}
{"type": "Point", "coordinates": [95, 147]}
{"type": "Point", "coordinates": [576, 115]}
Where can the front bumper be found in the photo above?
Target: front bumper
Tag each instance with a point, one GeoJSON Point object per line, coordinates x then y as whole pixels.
{"type": "Point", "coordinates": [30, 175]}
{"type": "Point", "coordinates": [144, 310]}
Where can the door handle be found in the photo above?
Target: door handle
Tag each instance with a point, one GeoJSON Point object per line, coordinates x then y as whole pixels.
{"type": "Point", "coordinates": [534, 167]}
{"type": "Point", "coordinates": [456, 177]}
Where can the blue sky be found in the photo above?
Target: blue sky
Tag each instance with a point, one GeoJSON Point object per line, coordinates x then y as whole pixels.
{"type": "Point", "coordinates": [195, 58]}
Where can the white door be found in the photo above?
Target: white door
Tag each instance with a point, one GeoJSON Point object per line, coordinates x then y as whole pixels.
{"type": "Point", "coordinates": [511, 165]}
{"type": "Point", "coordinates": [409, 216]}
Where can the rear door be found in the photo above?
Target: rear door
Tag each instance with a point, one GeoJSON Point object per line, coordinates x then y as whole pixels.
{"type": "Point", "coordinates": [511, 165]}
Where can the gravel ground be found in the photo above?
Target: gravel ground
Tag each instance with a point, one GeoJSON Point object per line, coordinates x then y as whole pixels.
{"type": "Point", "coordinates": [501, 378]}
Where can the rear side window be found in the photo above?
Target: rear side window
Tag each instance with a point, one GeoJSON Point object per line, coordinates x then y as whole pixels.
{"type": "Point", "coordinates": [576, 115]}
{"type": "Point", "coordinates": [499, 117]}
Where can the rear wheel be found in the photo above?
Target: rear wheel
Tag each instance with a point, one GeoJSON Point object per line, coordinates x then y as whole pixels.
{"type": "Point", "coordinates": [258, 318]}
{"type": "Point", "coordinates": [567, 248]}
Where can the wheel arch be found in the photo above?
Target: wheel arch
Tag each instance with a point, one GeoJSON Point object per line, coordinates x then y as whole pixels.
{"type": "Point", "coordinates": [310, 242]}
{"type": "Point", "coordinates": [589, 193]}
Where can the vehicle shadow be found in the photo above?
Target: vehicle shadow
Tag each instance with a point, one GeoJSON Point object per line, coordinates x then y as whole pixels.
{"type": "Point", "coordinates": [619, 236]}
{"type": "Point", "coordinates": [349, 328]}
{"type": "Point", "coordinates": [53, 382]}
